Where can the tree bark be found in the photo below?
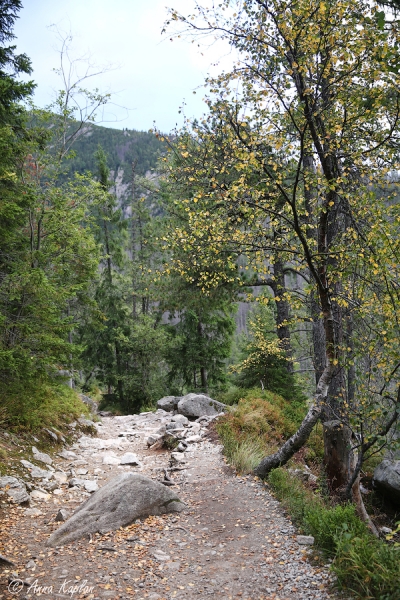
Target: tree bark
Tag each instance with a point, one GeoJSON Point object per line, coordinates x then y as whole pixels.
{"type": "Point", "coordinates": [338, 454]}
{"type": "Point", "coordinates": [282, 312]}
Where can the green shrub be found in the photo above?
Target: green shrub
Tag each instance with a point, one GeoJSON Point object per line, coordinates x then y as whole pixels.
{"type": "Point", "coordinates": [328, 525]}
{"type": "Point", "coordinates": [368, 567]}
{"type": "Point", "coordinates": [293, 495]}
{"type": "Point", "coordinates": [42, 404]}
{"type": "Point", "coordinates": [365, 566]}
{"type": "Point", "coordinates": [231, 396]}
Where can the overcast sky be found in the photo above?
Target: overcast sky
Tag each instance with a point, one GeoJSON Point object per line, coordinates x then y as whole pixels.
{"type": "Point", "coordinates": [151, 76]}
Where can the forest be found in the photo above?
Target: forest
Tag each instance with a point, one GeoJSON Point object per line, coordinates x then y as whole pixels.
{"type": "Point", "coordinates": [125, 256]}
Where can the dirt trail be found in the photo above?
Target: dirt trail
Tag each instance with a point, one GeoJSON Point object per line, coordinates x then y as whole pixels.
{"type": "Point", "coordinates": [232, 541]}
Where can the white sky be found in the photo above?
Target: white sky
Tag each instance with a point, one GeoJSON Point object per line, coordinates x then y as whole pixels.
{"type": "Point", "coordinates": [153, 75]}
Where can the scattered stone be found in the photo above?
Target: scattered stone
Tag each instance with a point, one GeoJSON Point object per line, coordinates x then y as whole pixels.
{"type": "Point", "coordinates": [33, 512]}
{"type": "Point", "coordinates": [177, 458]}
{"type": "Point", "coordinates": [387, 479]}
{"type": "Point", "coordinates": [168, 403]}
{"type": "Point", "coordinates": [49, 486]}
{"type": "Point", "coordinates": [130, 459]}
{"type": "Point", "coordinates": [81, 471]}
{"type": "Point", "coordinates": [118, 503]}
{"type": "Point", "coordinates": [75, 482]}
{"type": "Point", "coordinates": [41, 456]}
{"type": "Point", "coordinates": [89, 402]}
{"type": "Point", "coordinates": [305, 540]}
{"type": "Point", "coordinates": [110, 459]}
{"type": "Point", "coordinates": [60, 477]}
{"type": "Point", "coordinates": [67, 454]}
{"type": "Point", "coordinates": [198, 405]}
{"type": "Point", "coordinates": [386, 530]}
{"type": "Point", "coordinates": [86, 422]}
{"type": "Point", "coordinates": [15, 489]}
{"type": "Point", "coordinates": [304, 474]}
{"type": "Point", "coordinates": [51, 434]}
{"type": "Point", "coordinates": [180, 419]}
{"type": "Point", "coordinates": [193, 439]}
{"type": "Point", "coordinates": [174, 426]}
{"type": "Point", "coordinates": [62, 515]}
{"type": "Point", "coordinates": [181, 447]}
{"type": "Point", "coordinates": [160, 555]}
{"type": "Point", "coordinates": [38, 495]}
{"type": "Point", "coordinates": [37, 472]}
{"type": "Point", "coordinates": [90, 486]}
{"type": "Point", "coordinates": [152, 439]}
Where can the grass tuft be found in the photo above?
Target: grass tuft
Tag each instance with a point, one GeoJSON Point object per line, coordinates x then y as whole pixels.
{"type": "Point", "coordinates": [365, 566]}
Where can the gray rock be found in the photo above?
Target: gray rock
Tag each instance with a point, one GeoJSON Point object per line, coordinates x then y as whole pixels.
{"type": "Point", "coordinates": [305, 540]}
{"type": "Point", "coordinates": [62, 515]}
{"type": "Point", "coordinates": [193, 439]}
{"type": "Point", "coordinates": [304, 474]}
{"type": "Point", "coordinates": [86, 422]}
{"type": "Point", "coordinates": [81, 471]}
{"type": "Point", "coordinates": [160, 555]}
{"type": "Point", "coordinates": [8, 481]}
{"type": "Point", "coordinates": [130, 459]}
{"type": "Point", "coordinates": [89, 402]}
{"type": "Point", "coordinates": [168, 403]}
{"type": "Point", "coordinates": [51, 434]}
{"type": "Point", "coordinates": [177, 457]}
{"type": "Point", "coordinates": [30, 564]}
{"type": "Point", "coordinates": [198, 405]}
{"type": "Point", "coordinates": [387, 479]}
{"type": "Point", "coordinates": [67, 454]}
{"type": "Point", "coordinates": [153, 438]}
{"type": "Point", "coordinates": [180, 419]}
{"type": "Point", "coordinates": [174, 426]}
{"type": "Point", "coordinates": [41, 456]}
{"type": "Point", "coordinates": [15, 489]}
{"type": "Point", "coordinates": [33, 512]}
{"type": "Point", "coordinates": [386, 530]}
{"type": "Point", "coordinates": [90, 486]}
{"type": "Point", "coordinates": [49, 486]}
{"type": "Point", "coordinates": [39, 495]}
{"type": "Point", "coordinates": [110, 459]}
{"type": "Point", "coordinates": [37, 472]}
{"type": "Point", "coordinates": [75, 482]}
{"type": "Point", "coordinates": [121, 501]}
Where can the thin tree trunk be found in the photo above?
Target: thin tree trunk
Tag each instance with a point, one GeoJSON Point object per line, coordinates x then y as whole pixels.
{"type": "Point", "coordinates": [282, 312]}
{"type": "Point", "coordinates": [297, 441]}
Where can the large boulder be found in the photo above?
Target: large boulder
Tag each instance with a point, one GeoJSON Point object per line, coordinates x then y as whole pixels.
{"type": "Point", "coordinates": [117, 504]}
{"type": "Point", "coordinates": [168, 403]}
{"type": "Point", "coordinates": [198, 405]}
{"type": "Point", "coordinates": [387, 479]}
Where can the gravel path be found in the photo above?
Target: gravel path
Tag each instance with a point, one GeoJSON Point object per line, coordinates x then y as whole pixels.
{"type": "Point", "coordinates": [232, 541]}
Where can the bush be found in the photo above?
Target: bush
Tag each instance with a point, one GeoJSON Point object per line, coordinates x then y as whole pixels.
{"type": "Point", "coordinates": [40, 404]}
{"type": "Point", "coordinates": [328, 525]}
{"type": "Point", "coordinates": [368, 567]}
{"type": "Point", "coordinates": [364, 565]}
{"type": "Point", "coordinates": [231, 396]}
